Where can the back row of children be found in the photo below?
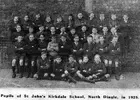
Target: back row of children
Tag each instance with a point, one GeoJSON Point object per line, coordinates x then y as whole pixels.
{"type": "Point", "coordinates": [90, 49]}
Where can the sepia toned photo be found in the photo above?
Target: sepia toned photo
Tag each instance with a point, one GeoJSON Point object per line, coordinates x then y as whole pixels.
{"type": "Point", "coordinates": [70, 44]}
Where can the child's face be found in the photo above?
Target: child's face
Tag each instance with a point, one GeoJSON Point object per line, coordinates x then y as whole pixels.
{"type": "Point", "coordinates": [85, 59]}
{"type": "Point", "coordinates": [37, 16]}
{"type": "Point", "coordinates": [80, 61]}
{"type": "Point", "coordinates": [53, 39]}
{"type": "Point", "coordinates": [41, 37]}
{"type": "Point", "coordinates": [63, 39]}
{"type": "Point", "coordinates": [101, 39]}
{"type": "Point", "coordinates": [94, 30]}
{"type": "Point", "coordinates": [76, 39]}
{"type": "Point", "coordinates": [102, 16]}
{"type": "Point", "coordinates": [114, 40]}
{"type": "Point", "coordinates": [58, 60]}
{"type": "Point", "coordinates": [97, 58]}
{"type": "Point", "coordinates": [89, 39]}
{"type": "Point", "coordinates": [48, 19]}
{"type": "Point", "coordinates": [63, 29]}
{"type": "Point", "coordinates": [71, 59]}
{"type": "Point", "coordinates": [19, 38]}
{"type": "Point", "coordinates": [52, 29]}
{"type": "Point", "coordinates": [59, 19]}
{"type": "Point", "coordinates": [70, 17]}
{"type": "Point", "coordinates": [80, 15]}
{"type": "Point", "coordinates": [31, 37]}
{"type": "Point", "coordinates": [105, 29]}
{"type": "Point", "coordinates": [41, 28]}
{"type": "Point", "coordinates": [26, 18]}
{"type": "Point", "coordinates": [72, 31]}
{"type": "Point", "coordinates": [113, 16]}
{"type": "Point", "coordinates": [43, 56]}
{"type": "Point", "coordinates": [18, 28]}
{"type": "Point", "coordinates": [125, 17]}
{"type": "Point", "coordinates": [15, 19]}
{"type": "Point", "coordinates": [84, 28]}
{"type": "Point", "coordinates": [91, 15]}
{"type": "Point", "coordinates": [31, 30]}
{"type": "Point", "coordinates": [113, 30]}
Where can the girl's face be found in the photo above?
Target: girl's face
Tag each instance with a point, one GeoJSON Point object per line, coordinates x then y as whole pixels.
{"type": "Point", "coordinates": [125, 17]}
{"type": "Point", "coordinates": [44, 56]}
{"type": "Point", "coordinates": [41, 28]}
{"type": "Point", "coordinates": [19, 38]}
{"type": "Point", "coordinates": [113, 30]}
{"type": "Point", "coordinates": [37, 16]}
{"type": "Point", "coordinates": [71, 59]}
{"type": "Point", "coordinates": [97, 58]}
{"type": "Point", "coordinates": [84, 28]}
{"type": "Point", "coordinates": [91, 16]}
{"type": "Point", "coordinates": [102, 16]}
{"type": "Point", "coordinates": [113, 16]}
{"type": "Point", "coordinates": [80, 15]}
{"type": "Point", "coordinates": [18, 28]}
{"type": "Point", "coordinates": [62, 29]}
{"type": "Point", "coordinates": [89, 39]}
{"type": "Point", "coordinates": [58, 60]}
{"type": "Point", "coordinates": [59, 19]}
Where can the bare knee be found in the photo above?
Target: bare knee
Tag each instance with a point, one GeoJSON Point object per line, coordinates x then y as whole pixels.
{"type": "Point", "coordinates": [14, 62]}
{"type": "Point", "coordinates": [21, 62]}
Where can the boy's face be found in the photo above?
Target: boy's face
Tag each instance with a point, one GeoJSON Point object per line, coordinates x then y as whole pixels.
{"type": "Point", "coordinates": [31, 30]}
{"type": "Point", "coordinates": [41, 28]}
{"type": "Point", "coordinates": [114, 40]}
{"type": "Point", "coordinates": [76, 39]}
{"type": "Point", "coordinates": [26, 18]}
{"type": "Point", "coordinates": [37, 16]}
{"type": "Point", "coordinates": [43, 56]}
{"type": "Point", "coordinates": [63, 29]}
{"type": "Point", "coordinates": [105, 29]}
{"type": "Point", "coordinates": [19, 38]}
{"type": "Point", "coordinates": [71, 59]}
{"type": "Point", "coordinates": [84, 28]}
{"type": "Point", "coordinates": [15, 19]}
{"type": "Point", "coordinates": [125, 17]}
{"type": "Point", "coordinates": [63, 39]}
{"type": "Point", "coordinates": [89, 39]}
{"type": "Point", "coordinates": [80, 15]}
{"type": "Point", "coordinates": [31, 37]}
{"type": "Point", "coordinates": [97, 58]}
{"type": "Point", "coordinates": [113, 16]}
{"type": "Point", "coordinates": [70, 17]}
{"type": "Point", "coordinates": [48, 19]}
{"type": "Point", "coordinates": [18, 28]}
{"type": "Point", "coordinates": [113, 30]}
{"type": "Point", "coordinates": [80, 61]}
{"type": "Point", "coordinates": [85, 59]}
{"type": "Point", "coordinates": [94, 30]}
{"type": "Point", "coordinates": [41, 37]}
{"type": "Point", "coordinates": [102, 16]}
{"type": "Point", "coordinates": [58, 60]}
{"type": "Point", "coordinates": [59, 19]}
{"type": "Point", "coordinates": [52, 29]}
{"type": "Point", "coordinates": [91, 15]}
{"type": "Point", "coordinates": [72, 31]}
{"type": "Point", "coordinates": [101, 39]}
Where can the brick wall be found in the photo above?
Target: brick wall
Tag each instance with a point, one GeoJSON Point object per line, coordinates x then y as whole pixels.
{"type": "Point", "coordinates": [9, 8]}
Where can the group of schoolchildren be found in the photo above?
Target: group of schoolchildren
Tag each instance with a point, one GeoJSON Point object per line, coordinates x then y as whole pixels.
{"type": "Point", "coordinates": [78, 49]}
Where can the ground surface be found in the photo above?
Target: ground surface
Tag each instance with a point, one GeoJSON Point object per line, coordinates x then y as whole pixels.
{"type": "Point", "coordinates": [130, 80]}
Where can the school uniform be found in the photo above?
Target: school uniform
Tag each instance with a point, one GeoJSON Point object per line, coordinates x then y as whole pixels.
{"type": "Point", "coordinates": [43, 67]}
{"type": "Point", "coordinates": [26, 25]}
{"type": "Point", "coordinates": [83, 36]}
{"type": "Point", "coordinates": [79, 49]}
{"type": "Point", "coordinates": [42, 45]}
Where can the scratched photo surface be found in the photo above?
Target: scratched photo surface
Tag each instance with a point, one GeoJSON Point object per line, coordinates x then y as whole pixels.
{"type": "Point", "coordinates": [21, 65]}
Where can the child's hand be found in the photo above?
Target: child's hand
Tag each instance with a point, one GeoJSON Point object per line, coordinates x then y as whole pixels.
{"type": "Point", "coordinates": [100, 70]}
{"type": "Point", "coordinates": [63, 75]}
{"type": "Point", "coordinates": [94, 76]}
{"type": "Point", "coordinates": [52, 75]}
{"type": "Point", "coordinates": [46, 74]}
{"type": "Point", "coordinates": [66, 72]}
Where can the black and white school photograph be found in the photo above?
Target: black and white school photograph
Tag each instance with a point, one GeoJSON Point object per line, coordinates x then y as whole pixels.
{"type": "Point", "coordinates": [70, 44]}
